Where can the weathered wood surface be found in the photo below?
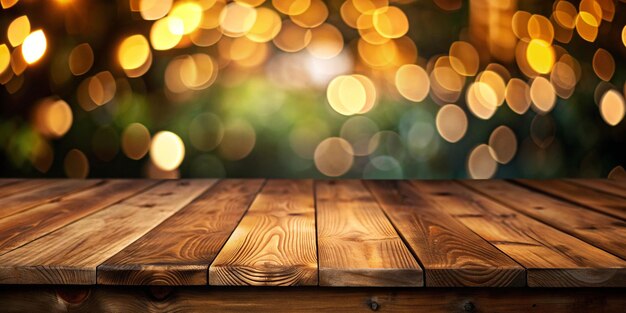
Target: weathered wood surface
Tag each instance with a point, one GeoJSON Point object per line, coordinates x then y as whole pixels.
{"type": "Point", "coordinates": [309, 299]}
{"type": "Point", "coordinates": [289, 232]}
{"type": "Point", "coordinates": [274, 244]}
{"type": "Point", "coordinates": [357, 244]}
{"type": "Point", "coordinates": [452, 255]}
{"type": "Point", "coordinates": [32, 193]}
{"type": "Point", "coordinates": [26, 226]}
{"type": "Point", "coordinates": [71, 254]}
{"type": "Point", "coordinates": [589, 197]}
{"type": "Point", "coordinates": [598, 229]}
{"type": "Point", "coordinates": [551, 257]}
{"type": "Point", "coordinates": [615, 187]}
{"type": "Point", "coordinates": [180, 250]}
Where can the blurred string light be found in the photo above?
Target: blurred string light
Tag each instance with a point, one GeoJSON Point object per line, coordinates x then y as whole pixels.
{"type": "Point", "coordinates": [361, 54]}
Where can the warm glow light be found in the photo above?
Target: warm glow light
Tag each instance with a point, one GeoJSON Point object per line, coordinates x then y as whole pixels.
{"type": "Point", "coordinates": [390, 22]}
{"type": "Point", "coordinates": [518, 95]}
{"type": "Point", "coordinates": [135, 141]}
{"type": "Point", "coordinates": [540, 56]}
{"type": "Point", "coordinates": [237, 19]}
{"type": "Point", "coordinates": [612, 107]}
{"type": "Point", "coordinates": [266, 26]}
{"type": "Point", "coordinates": [291, 7]}
{"type": "Point", "coordinates": [5, 58]}
{"type": "Point", "coordinates": [154, 9]}
{"type": "Point", "coordinates": [481, 100]}
{"type": "Point", "coordinates": [166, 33]}
{"type": "Point", "coordinates": [334, 156]}
{"type": "Point", "coordinates": [464, 58]}
{"type": "Point", "coordinates": [52, 117]}
{"type": "Point", "coordinates": [451, 123]}
{"type": "Point", "coordinates": [313, 16]}
{"type": "Point", "coordinates": [351, 94]}
{"type": "Point", "coordinates": [134, 54]}
{"type": "Point", "coordinates": [34, 46]}
{"type": "Point", "coordinates": [481, 164]}
{"type": "Point", "coordinates": [326, 42]}
{"type": "Point", "coordinates": [8, 3]}
{"type": "Point", "coordinates": [188, 12]}
{"type": "Point", "coordinates": [238, 140]}
{"type": "Point", "coordinates": [542, 94]}
{"type": "Point", "coordinates": [18, 30]}
{"type": "Point", "coordinates": [81, 59]}
{"type": "Point", "coordinates": [167, 150]}
{"type": "Point", "coordinates": [412, 82]}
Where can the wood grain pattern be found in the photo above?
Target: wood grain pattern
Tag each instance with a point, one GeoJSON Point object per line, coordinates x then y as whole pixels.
{"type": "Point", "coordinates": [70, 255]}
{"type": "Point", "coordinates": [274, 244]}
{"type": "Point", "coordinates": [357, 244]}
{"type": "Point", "coordinates": [37, 299]}
{"type": "Point", "coordinates": [180, 250]}
{"type": "Point", "coordinates": [591, 198]}
{"type": "Point", "coordinates": [450, 253]}
{"type": "Point", "coordinates": [595, 228]}
{"type": "Point", "coordinates": [19, 186]}
{"type": "Point", "coordinates": [26, 226]}
{"type": "Point", "coordinates": [8, 181]}
{"type": "Point", "coordinates": [551, 257]}
{"type": "Point", "coordinates": [614, 187]}
{"type": "Point", "coordinates": [32, 193]}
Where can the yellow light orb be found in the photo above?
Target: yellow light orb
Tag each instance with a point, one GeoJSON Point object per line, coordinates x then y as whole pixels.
{"type": "Point", "coordinates": [166, 33]}
{"type": "Point", "coordinates": [540, 56]}
{"type": "Point", "coordinates": [5, 58]}
{"type": "Point", "coordinates": [81, 59]}
{"type": "Point", "coordinates": [347, 95]}
{"type": "Point", "coordinates": [188, 12]}
{"type": "Point", "coordinates": [18, 30]}
{"type": "Point", "coordinates": [34, 46]}
{"type": "Point", "coordinates": [481, 164]}
{"type": "Point", "coordinates": [154, 9]}
{"type": "Point", "coordinates": [76, 164]}
{"type": "Point", "coordinates": [390, 22]}
{"type": "Point", "coordinates": [167, 150]}
{"type": "Point", "coordinates": [612, 107]}
{"type": "Point", "coordinates": [133, 54]}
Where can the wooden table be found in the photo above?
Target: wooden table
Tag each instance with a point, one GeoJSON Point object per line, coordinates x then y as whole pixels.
{"type": "Point", "coordinates": [347, 245]}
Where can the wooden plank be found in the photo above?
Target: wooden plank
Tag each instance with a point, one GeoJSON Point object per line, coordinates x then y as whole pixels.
{"type": "Point", "coordinates": [614, 187]}
{"type": "Point", "coordinates": [591, 198]}
{"type": "Point", "coordinates": [21, 228]}
{"type": "Point", "coordinates": [595, 228]}
{"type": "Point", "coordinates": [180, 250]}
{"type": "Point", "coordinates": [310, 299]}
{"type": "Point", "coordinates": [551, 257]}
{"type": "Point", "coordinates": [40, 191]}
{"type": "Point", "coordinates": [274, 244]}
{"type": "Point", "coordinates": [357, 244]}
{"type": "Point", "coordinates": [450, 253]}
{"type": "Point", "coordinates": [8, 181]}
{"type": "Point", "coordinates": [70, 255]}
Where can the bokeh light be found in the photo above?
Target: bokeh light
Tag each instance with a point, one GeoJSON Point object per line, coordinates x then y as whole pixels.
{"type": "Point", "coordinates": [167, 150]}
{"type": "Point", "coordinates": [310, 88]}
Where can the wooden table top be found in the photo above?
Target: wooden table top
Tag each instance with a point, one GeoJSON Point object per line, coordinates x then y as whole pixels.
{"type": "Point", "coordinates": [492, 233]}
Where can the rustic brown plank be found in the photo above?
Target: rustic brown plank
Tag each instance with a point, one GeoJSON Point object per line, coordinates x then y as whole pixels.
{"type": "Point", "coordinates": [450, 253]}
{"type": "Point", "coordinates": [70, 255]}
{"type": "Point", "coordinates": [551, 257]}
{"type": "Point", "coordinates": [595, 228]}
{"type": "Point", "coordinates": [180, 250]}
{"type": "Point", "coordinates": [22, 185]}
{"type": "Point", "coordinates": [8, 181]}
{"type": "Point", "coordinates": [591, 198]}
{"type": "Point", "coordinates": [40, 191]}
{"type": "Point", "coordinates": [614, 187]}
{"type": "Point", "coordinates": [310, 299]}
{"type": "Point", "coordinates": [26, 226]}
{"type": "Point", "coordinates": [274, 244]}
{"type": "Point", "coordinates": [357, 244]}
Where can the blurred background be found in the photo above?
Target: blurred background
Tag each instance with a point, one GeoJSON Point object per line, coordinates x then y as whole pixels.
{"type": "Point", "coordinates": [311, 88]}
